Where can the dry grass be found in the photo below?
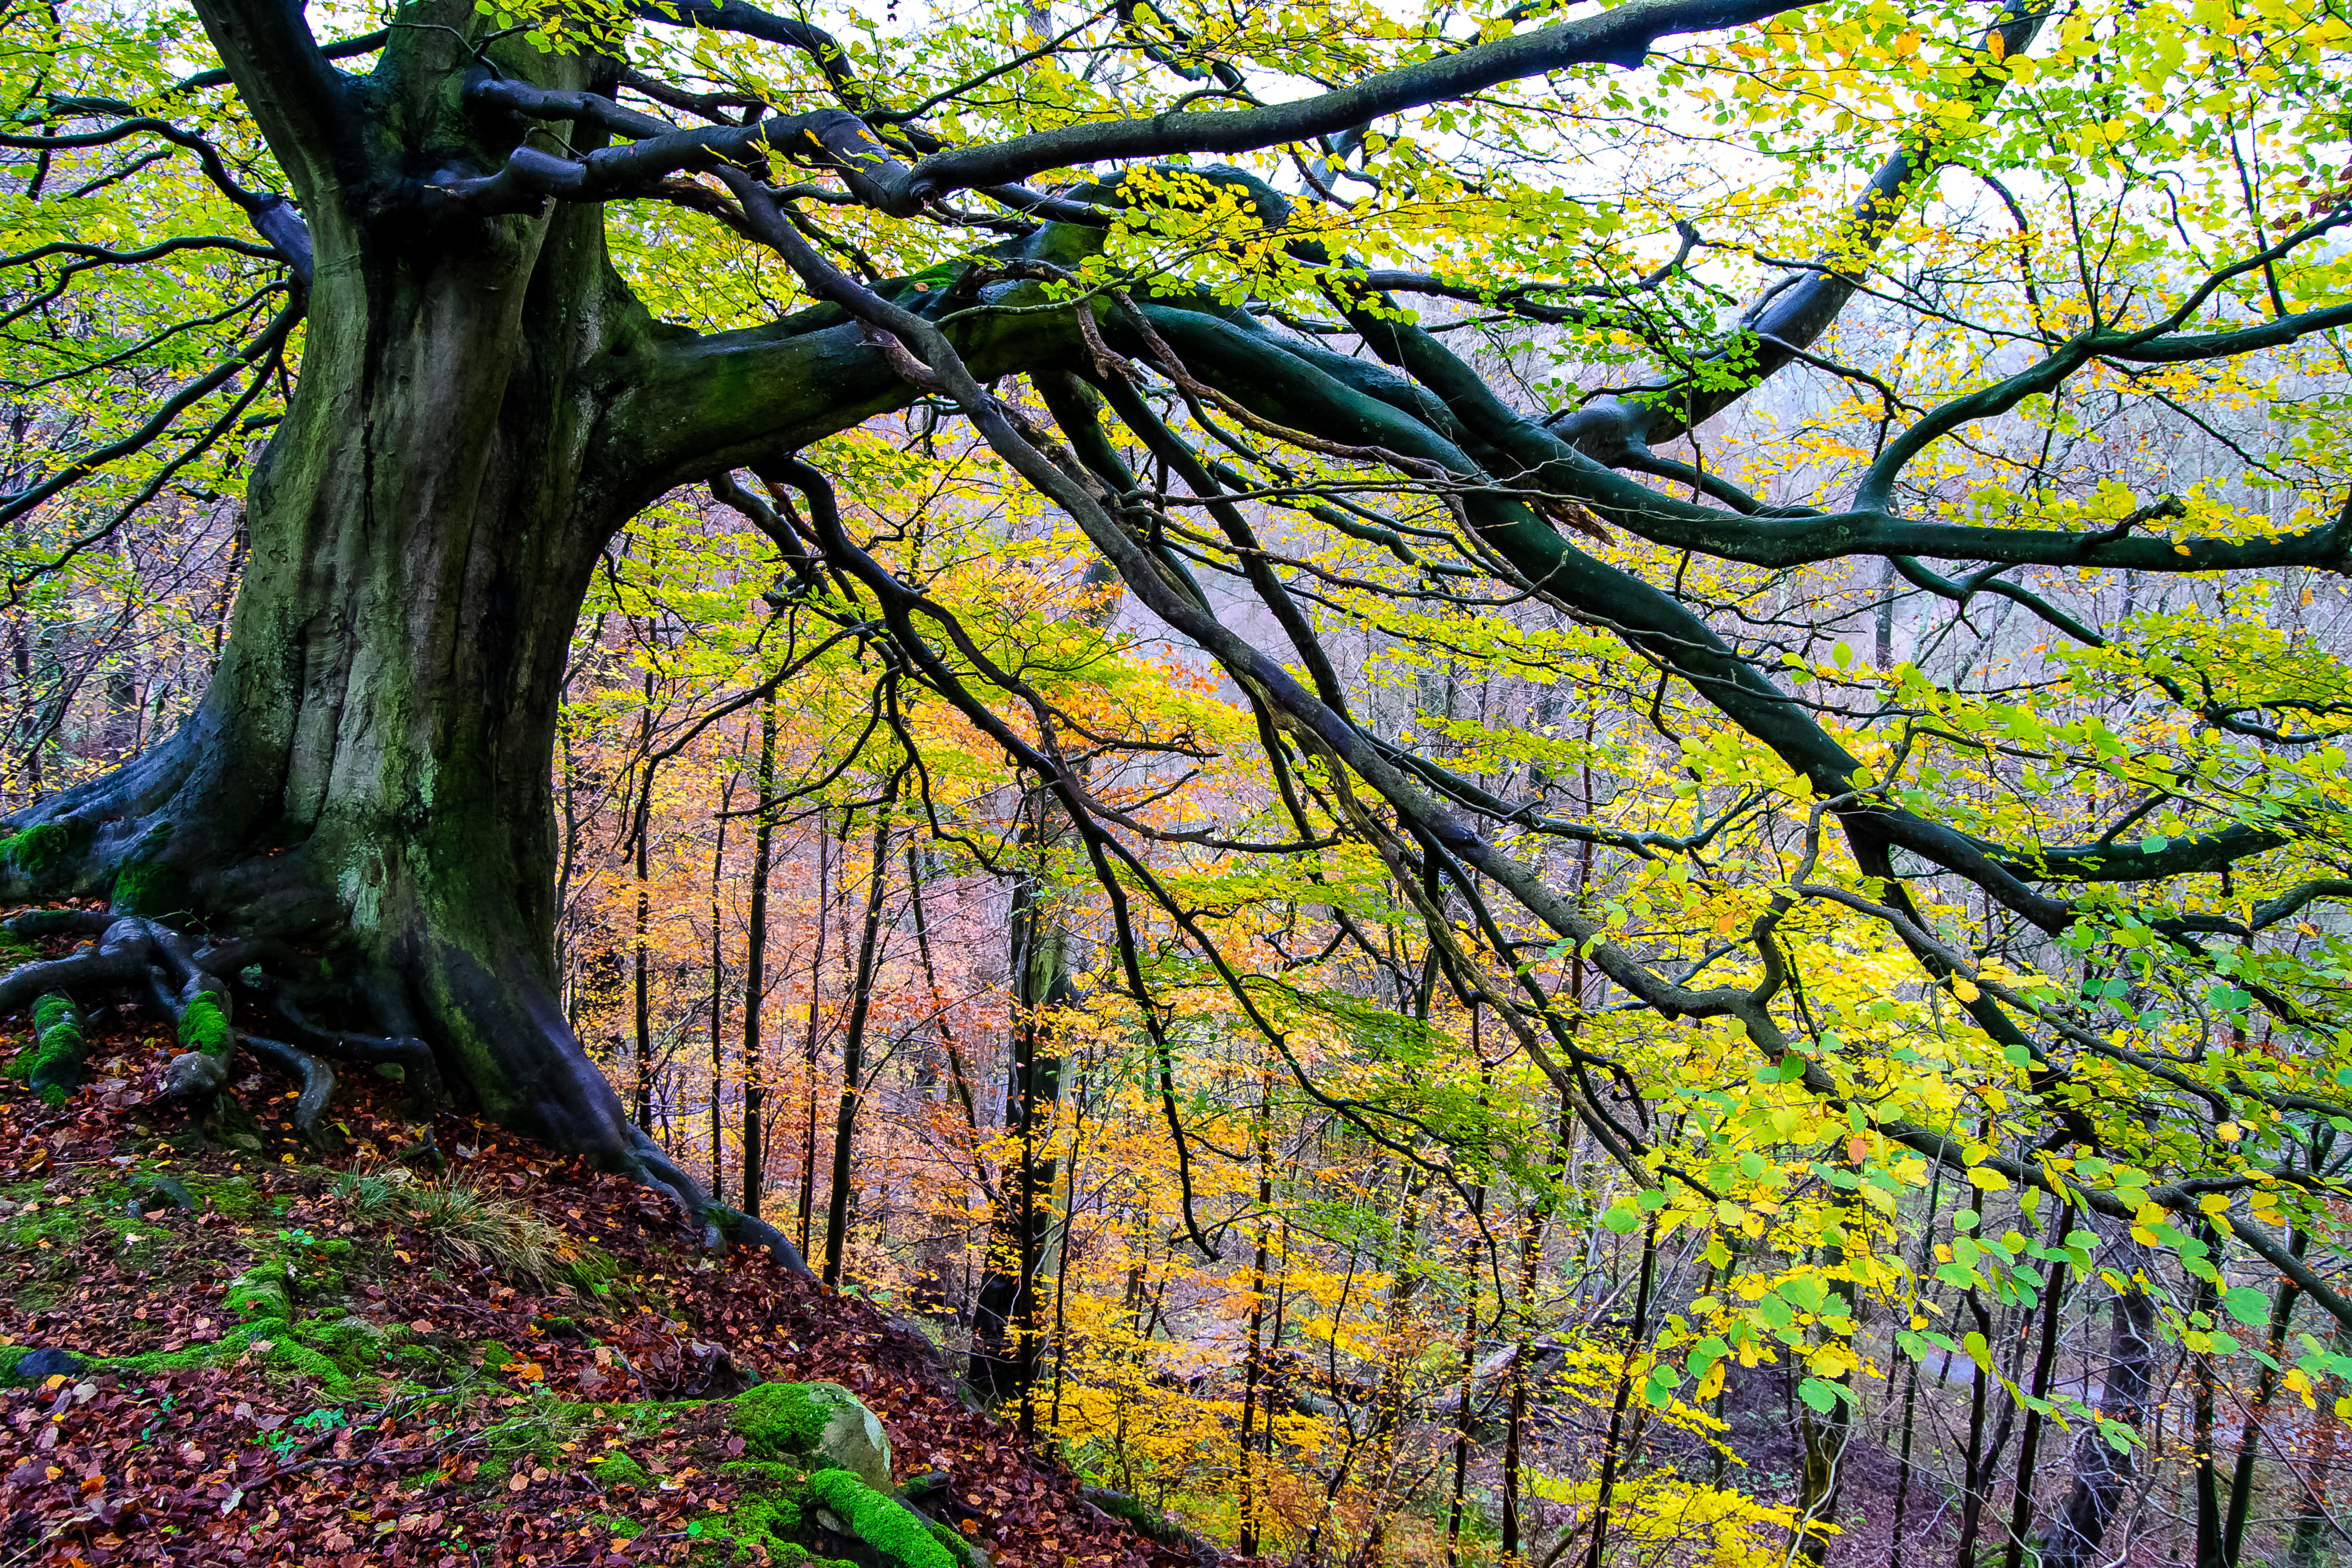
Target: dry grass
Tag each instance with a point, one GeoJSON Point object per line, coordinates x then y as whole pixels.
{"type": "Point", "coordinates": [477, 1228]}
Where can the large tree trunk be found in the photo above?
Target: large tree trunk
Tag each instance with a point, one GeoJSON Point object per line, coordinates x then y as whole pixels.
{"type": "Point", "coordinates": [369, 770]}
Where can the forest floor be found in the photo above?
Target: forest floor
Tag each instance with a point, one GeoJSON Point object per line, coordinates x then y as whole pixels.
{"type": "Point", "coordinates": [333, 1370]}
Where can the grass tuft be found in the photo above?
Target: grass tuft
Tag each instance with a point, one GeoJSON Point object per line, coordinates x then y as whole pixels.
{"type": "Point", "coordinates": [477, 1228]}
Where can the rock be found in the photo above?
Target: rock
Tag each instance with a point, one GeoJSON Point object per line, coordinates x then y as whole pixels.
{"type": "Point", "coordinates": [150, 1190]}
{"type": "Point", "coordinates": [820, 1421]}
{"type": "Point", "coordinates": [853, 1439]}
{"type": "Point", "coordinates": [38, 1366]}
{"type": "Point", "coordinates": [193, 1075]}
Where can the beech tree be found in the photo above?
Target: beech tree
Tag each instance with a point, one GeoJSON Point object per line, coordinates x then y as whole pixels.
{"type": "Point", "coordinates": [516, 274]}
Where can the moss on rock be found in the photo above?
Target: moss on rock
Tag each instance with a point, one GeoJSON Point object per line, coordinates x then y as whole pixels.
{"type": "Point", "coordinates": [205, 1027]}
{"type": "Point", "coordinates": [52, 1064]}
{"type": "Point", "coordinates": [44, 850]}
{"type": "Point", "coordinates": [814, 1420]}
{"type": "Point", "coordinates": [781, 1418]}
{"type": "Point", "coordinates": [884, 1523]}
{"type": "Point", "coordinates": [260, 1291]}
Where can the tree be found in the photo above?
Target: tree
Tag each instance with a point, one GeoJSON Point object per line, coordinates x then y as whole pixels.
{"type": "Point", "coordinates": [2115, 893]}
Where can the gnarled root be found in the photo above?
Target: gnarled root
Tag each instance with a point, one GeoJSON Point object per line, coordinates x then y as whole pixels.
{"type": "Point", "coordinates": [187, 983]}
{"type": "Point", "coordinates": [721, 1225]}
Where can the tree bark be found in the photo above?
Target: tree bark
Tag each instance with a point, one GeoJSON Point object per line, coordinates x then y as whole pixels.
{"type": "Point", "coordinates": [718, 996]}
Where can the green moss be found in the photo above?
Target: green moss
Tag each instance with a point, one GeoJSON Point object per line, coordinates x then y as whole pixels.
{"type": "Point", "coordinates": [260, 1291]}
{"type": "Point", "coordinates": [204, 1028]}
{"type": "Point", "coordinates": [285, 1354]}
{"type": "Point", "coordinates": [45, 848]}
{"type": "Point", "coordinates": [763, 1525]}
{"type": "Point", "coordinates": [171, 1360]}
{"type": "Point", "coordinates": [778, 1419]}
{"type": "Point", "coordinates": [52, 1009]}
{"type": "Point", "coordinates": [239, 1197]}
{"type": "Point", "coordinates": [884, 1523]}
{"type": "Point", "coordinates": [150, 888]}
{"type": "Point", "coordinates": [65, 1225]}
{"type": "Point", "coordinates": [617, 1470]}
{"type": "Point", "coordinates": [53, 1064]}
{"type": "Point", "coordinates": [354, 1345]}
{"type": "Point", "coordinates": [289, 1354]}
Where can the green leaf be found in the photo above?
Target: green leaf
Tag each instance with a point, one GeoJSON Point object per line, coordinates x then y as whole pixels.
{"type": "Point", "coordinates": [2248, 1305]}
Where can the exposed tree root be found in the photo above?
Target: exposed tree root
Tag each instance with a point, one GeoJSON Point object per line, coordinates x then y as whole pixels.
{"type": "Point", "coordinates": [195, 984]}
{"type": "Point", "coordinates": [191, 984]}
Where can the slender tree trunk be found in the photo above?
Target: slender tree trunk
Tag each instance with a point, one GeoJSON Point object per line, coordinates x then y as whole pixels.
{"type": "Point", "coordinates": [1822, 1437]}
{"type": "Point", "coordinates": [1532, 1245]}
{"type": "Point", "coordinates": [719, 994]}
{"type": "Point", "coordinates": [1253, 1362]}
{"type": "Point", "coordinates": [2205, 1471]}
{"type": "Point", "coordinates": [1465, 1420]}
{"type": "Point", "coordinates": [1003, 1364]}
{"type": "Point", "coordinates": [1976, 1480]}
{"type": "Point", "coordinates": [1044, 958]}
{"type": "Point", "coordinates": [2250, 1435]}
{"type": "Point", "coordinates": [755, 968]}
{"type": "Point", "coordinates": [1604, 1492]}
{"type": "Point", "coordinates": [812, 1035]}
{"type": "Point", "coordinates": [1911, 1379]}
{"type": "Point", "coordinates": [2029, 1443]}
{"type": "Point", "coordinates": [1388, 1414]}
{"type": "Point", "coordinates": [853, 1042]}
{"type": "Point", "coordinates": [2313, 1527]}
{"type": "Point", "coordinates": [644, 834]}
{"type": "Point", "coordinates": [2103, 1474]}
{"type": "Point", "coordinates": [958, 1078]}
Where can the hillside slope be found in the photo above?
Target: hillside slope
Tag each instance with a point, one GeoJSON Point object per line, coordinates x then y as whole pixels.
{"type": "Point", "coordinates": [229, 1349]}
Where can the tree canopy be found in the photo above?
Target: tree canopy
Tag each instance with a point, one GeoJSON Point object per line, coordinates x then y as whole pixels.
{"type": "Point", "coordinates": [1725, 617]}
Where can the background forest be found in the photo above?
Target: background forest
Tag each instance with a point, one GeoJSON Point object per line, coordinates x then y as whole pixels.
{"type": "Point", "coordinates": [1261, 1161]}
